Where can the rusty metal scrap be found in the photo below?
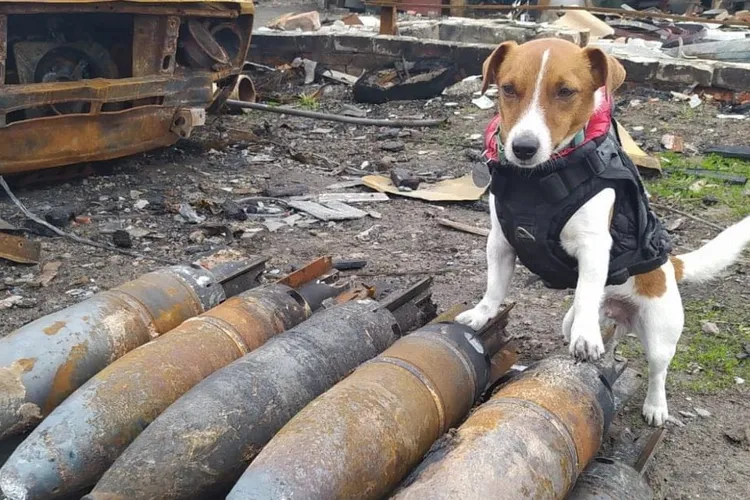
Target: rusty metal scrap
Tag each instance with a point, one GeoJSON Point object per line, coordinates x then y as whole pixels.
{"type": "Point", "coordinates": [530, 440]}
{"type": "Point", "coordinates": [202, 443]}
{"type": "Point", "coordinates": [96, 98]}
{"type": "Point", "coordinates": [46, 360]}
{"type": "Point", "coordinates": [19, 249]}
{"type": "Point", "coordinates": [366, 433]}
{"type": "Point", "coordinates": [80, 439]}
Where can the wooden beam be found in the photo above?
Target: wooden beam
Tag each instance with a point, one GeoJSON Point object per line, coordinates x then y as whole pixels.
{"type": "Point", "coordinates": [457, 8]}
{"type": "Point", "coordinates": [388, 20]}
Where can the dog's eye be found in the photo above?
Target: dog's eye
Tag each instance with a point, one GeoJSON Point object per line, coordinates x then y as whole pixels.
{"type": "Point", "coordinates": [565, 92]}
{"type": "Point", "coordinates": [509, 90]}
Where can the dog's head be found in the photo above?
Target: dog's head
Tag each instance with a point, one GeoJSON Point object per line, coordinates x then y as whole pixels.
{"type": "Point", "coordinates": [547, 94]}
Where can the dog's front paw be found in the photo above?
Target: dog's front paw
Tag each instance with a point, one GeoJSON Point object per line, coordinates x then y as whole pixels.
{"type": "Point", "coordinates": [655, 415]}
{"type": "Point", "coordinates": [477, 317]}
{"type": "Point", "coordinates": [586, 341]}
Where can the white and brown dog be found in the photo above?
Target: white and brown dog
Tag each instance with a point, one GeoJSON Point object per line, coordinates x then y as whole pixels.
{"type": "Point", "coordinates": [549, 90]}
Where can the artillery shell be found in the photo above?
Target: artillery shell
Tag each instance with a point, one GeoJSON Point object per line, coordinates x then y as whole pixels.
{"type": "Point", "coordinates": [43, 362]}
{"type": "Point", "coordinates": [530, 440]}
{"type": "Point", "coordinates": [76, 443]}
{"type": "Point", "coordinates": [607, 479]}
{"type": "Point", "coordinates": [202, 443]}
{"type": "Point", "coordinates": [365, 434]}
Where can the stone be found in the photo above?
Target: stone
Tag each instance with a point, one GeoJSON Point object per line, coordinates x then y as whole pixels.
{"type": "Point", "coordinates": [687, 414]}
{"type": "Point", "coordinates": [702, 412]}
{"type": "Point", "coordinates": [710, 328]}
{"type": "Point", "coordinates": [233, 211]}
{"type": "Point", "coordinates": [404, 178]}
{"type": "Point", "coordinates": [60, 217]}
{"type": "Point", "coordinates": [392, 146]}
{"type": "Point", "coordinates": [122, 239]}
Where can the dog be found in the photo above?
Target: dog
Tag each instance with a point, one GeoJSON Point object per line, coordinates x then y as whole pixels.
{"type": "Point", "coordinates": [550, 90]}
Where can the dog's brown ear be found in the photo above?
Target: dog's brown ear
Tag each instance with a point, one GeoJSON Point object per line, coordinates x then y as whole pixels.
{"type": "Point", "coordinates": [606, 70]}
{"type": "Point", "coordinates": [492, 63]}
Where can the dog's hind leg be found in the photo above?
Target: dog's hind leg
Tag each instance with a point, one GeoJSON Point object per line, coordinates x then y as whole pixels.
{"type": "Point", "coordinates": [501, 261]}
{"type": "Point", "coordinates": [659, 326]}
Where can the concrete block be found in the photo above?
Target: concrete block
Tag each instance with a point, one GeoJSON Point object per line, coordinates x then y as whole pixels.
{"type": "Point", "coordinates": [360, 43]}
{"type": "Point", "coordinates": [686, 72]}
{"type": "Point", "coordinates": [639, 69]}
{"type": "Point", "coordinates": [732, 76]}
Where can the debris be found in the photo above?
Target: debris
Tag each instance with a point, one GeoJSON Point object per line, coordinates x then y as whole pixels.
{"type": "Point", "coordinates": [581, 20]}
{"type": "Point", "coordinates": [739, 380]}
{"type": "Point", "coordinates": [401, 177]}
{"type": "Point", "coordinates": [710, 328]}
{"type": "Point", "coordinates": [352, 197]}
{"type": "Point", "coordinates": [309, 67]}
{"type": "Point", "coordinates": [261, 158]}
{"type": "Point", "coordinates": [197, 236]}
{"type": "Point", "coordinates": [673, 143]}
{"type": "Point", "coordinates": [349, 110]}
{"type": "Point", "coordinates": [675, 224]}
{"type": "Point", "coordinates": [702, 413]}
{"type": "Point", "coordinates": [392, 146]}
{"type": "Point", "coordinates": [59, 217]}
{"type": "Point", "coordinates": [728, 50]}
{"type": "Point", "coordinates": [292, 219]}
{"type": "Point", "coordinates": [730, 117]}
{"type": "Point", "coordinates": [740, 152]}
{"type": "Point", "coordinates": [689, 216]}
{"type": "Point", "coordinates": [82, 219]}
{"type": "Point", "coordinates": [406, 81]}
{"type": "Point", "coordinates": [233, 211]}
{"type": "Point", "coordinates": [352, 19]}
{"type": "Point", "coordinates": [468, 86]}
{"type": "Point", "coordinates": [122, 239]}
{"type": "Point", "coordinates": [738, 180]}
{"type": "Point", "coordinates": [460, 189]}
{"type": "Point", "coordinates": [19, 249]}
{"type": "Point", "coordinates": [58, 232]}
{"type": "Point", "coordinates": [141, 204]}
{"type": "Point", "coordinates": [710, 200]}
{"type": "Point", "coordinates": [639, 157]}
{"type": "Point", "coordinates": [335, 118]}
{"type": "Point", "coordinates": [322, 131]}
{"type": "Point", "coordinates": [338, 77]}
{"type": "Point", "coordinates": [695, 101]}
{"type": "Point", "coordinates": [345, 184]}
{"type": "Point", "coordinates": [349, 265]}
{"type": "Point", "coordinates": [280, 191]}
{"type": "Point", "coordinates": [365, 235]}
{"type": "Point", "coordinates": [687, 414]}
{"type": "Point", "coordinates": [330, 211]}
{"type": "Point", "coordinates": [463, 227]}
{"type": "Point", "coordinates": [274, 225]}
{"type": "Point", "coordinates": [306, 21]}
{"type": "Point", "coordinates": [11, 301]}
{"type": "Point", "coordinates": [483, 102]}
{"type": "Point", "coordinates": [674, 420]}
{"type": "Point", "coordinates": [190, 215]}
{"type": "Point", "coordinates": [49, 272]}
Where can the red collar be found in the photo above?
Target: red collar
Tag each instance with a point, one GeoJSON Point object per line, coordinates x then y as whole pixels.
{"type": "Point", "coordinates": [597, 126]}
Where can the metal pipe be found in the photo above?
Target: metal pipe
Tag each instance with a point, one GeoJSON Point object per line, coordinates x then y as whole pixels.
{"type": "Point", "coordinates": [44, 361]}
{"type": "Point", "coordinates": [202, 443]}
{"type": "Point", "coordinates": [365, 434]}
{"type": "Point", "coordinates": [81, 438]}
{"type": "Point", "coordinates": [530, 440]}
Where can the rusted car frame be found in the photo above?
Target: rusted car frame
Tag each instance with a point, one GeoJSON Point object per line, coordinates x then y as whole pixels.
{"type": "Point", "coordinates": [88, 80]}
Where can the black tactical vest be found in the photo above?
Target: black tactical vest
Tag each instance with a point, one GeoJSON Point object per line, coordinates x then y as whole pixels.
{"type": "Point", "coordinates": [533, 207]}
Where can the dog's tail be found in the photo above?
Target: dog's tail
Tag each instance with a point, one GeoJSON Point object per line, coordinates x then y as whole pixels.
{"type": "Point", "coordinates": [722, 251]}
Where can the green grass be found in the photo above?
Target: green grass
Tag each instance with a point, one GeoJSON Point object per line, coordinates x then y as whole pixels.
{"type": "Point", "coordinates": [675, 184]}
{"type": "Point", "coordinates": [309, 101]}
{"type": "Point", "coordinates": [716, 355]}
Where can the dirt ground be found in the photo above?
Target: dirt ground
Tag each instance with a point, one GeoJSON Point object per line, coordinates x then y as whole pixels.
{"type": "Point", "coordinates": [244, 155]}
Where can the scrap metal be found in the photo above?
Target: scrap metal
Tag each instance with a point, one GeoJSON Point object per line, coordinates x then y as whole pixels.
{"type": "Point", "coordinates": [73, 88]}
{"type": "Point", "coordinates": [530, 440]}
{"type": "Point", "coordinates": [202, 443]}
{"type": "Point", "coordinates": [19, 249]}
{"type": "Point", "coordinates": [43, 362]}
{"type": "Point", "coordinates": [365, 434]}
{"type": "Point", "coordinates": [80, 439]}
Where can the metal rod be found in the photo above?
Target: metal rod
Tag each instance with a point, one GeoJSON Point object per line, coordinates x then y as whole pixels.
{"type": "Point", "coordinates": [335, 118]}
{"type": "Point", "coordinates": [593, 10]}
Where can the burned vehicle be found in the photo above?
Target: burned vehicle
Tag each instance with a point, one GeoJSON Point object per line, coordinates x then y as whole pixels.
{"type": "Point", "coordinates": [92, 80]}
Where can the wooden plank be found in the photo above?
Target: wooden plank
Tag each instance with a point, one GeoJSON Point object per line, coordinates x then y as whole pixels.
{"type": "Point", "coordinates": [458, 8]}
{"type": "Point", "coordinates": [388, 17]}
{"type": "Point", "coordinates": [333, 211]}
{"type": "Point", "coordinates": [352, 197]}
{"type": "Point", "coordinates": [464, 227]}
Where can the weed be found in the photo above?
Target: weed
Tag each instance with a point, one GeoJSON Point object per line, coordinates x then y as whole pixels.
{"type": "Point", "coordinates": [309, 101]}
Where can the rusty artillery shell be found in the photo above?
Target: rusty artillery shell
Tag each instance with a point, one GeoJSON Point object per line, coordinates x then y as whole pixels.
{"type": "Point", "coordinates": [82, 437]}
{"type": "Point", "coordinates": [202, 443]}
{"type": "Point", "coordinates": [43, 362]}
{"type": "Point", "coordinates": [365, 434]}
{"type": "Point", "coordinates": [608, 479]}
{"type": "Point", "coordinates": [530, 440]}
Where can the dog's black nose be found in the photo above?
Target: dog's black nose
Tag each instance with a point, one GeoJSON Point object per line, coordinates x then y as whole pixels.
{"type": "Point", "coordinates": [525, 146]}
